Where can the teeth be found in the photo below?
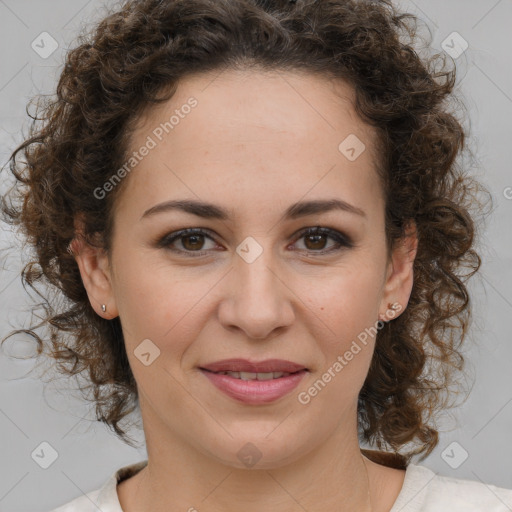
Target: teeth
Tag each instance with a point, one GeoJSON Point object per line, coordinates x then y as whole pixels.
{"type": "Point", "coordinates": [264, 376]}
{"type": "Point", "coordinates": [248, 376]}
{"type": "Point", "coordinates": [256, 376]}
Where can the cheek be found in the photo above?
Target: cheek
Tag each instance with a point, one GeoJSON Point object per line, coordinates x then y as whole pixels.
{"type": "Point", "coordinates": [142, 291]}
{"type": "Point", "coordinates": [158, 304]}
{"type": "Point", "coordinates": [347, 300]}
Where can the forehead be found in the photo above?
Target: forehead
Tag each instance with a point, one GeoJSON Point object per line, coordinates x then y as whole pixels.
{"type": "Point", "coordinates": [285, 102]}
{"type": "Point", "coordinates": [252, 129]}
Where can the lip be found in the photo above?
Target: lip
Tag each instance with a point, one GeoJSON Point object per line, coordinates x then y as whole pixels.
{"type": "Point", "coordinates": [243, 365]}
{"type": "Point", "coordinates": [254, 391]}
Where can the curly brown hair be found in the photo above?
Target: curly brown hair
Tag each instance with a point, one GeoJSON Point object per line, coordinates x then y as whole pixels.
{"type": "Point", "coordinates": [135, 57]}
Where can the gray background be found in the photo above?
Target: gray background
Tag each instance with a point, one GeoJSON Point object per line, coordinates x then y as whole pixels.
{"type": "Point", "coordinates": [32, 412]}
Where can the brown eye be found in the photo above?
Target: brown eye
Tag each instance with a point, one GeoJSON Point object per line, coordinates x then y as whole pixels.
{"type": "Point", "coordinates": [315, 240]}
{"type": "Point", "coordinates": [192, 242]}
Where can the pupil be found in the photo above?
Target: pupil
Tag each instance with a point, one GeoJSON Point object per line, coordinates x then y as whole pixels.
{"type": "Point", "coordinates": [188, 237]}
{"type": "Point", "coordinates": [316, 237]}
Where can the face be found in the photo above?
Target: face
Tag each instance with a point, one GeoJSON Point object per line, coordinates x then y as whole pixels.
{"type": "Point", "coordinates": [251, 285]}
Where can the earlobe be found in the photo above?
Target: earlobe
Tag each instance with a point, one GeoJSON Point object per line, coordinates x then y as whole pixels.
{"type": "Point", "coordinates": [95, 272]}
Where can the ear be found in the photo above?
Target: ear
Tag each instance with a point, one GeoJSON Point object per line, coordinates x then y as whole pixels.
{"type": "Point", "coordinates": [95, 271]}
{"type": "Point", "coordinates": [399, 276]}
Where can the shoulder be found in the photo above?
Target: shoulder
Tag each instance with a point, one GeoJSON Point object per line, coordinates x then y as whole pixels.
{"type": "Point", "coordinates": [426, 491]}
{"type": "Point", "coordinates": [85, 503]}
{"type": "Point", "coordinates": [104, 499]}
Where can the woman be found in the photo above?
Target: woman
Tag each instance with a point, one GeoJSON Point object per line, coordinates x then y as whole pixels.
{"type": "Point", "coordinates": [254, 211]}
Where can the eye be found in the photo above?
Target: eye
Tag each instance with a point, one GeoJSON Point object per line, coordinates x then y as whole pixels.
{"type": "Point", "coordinates": [315, 238]}
{"type": "Point", "coordinates": [192, 241]}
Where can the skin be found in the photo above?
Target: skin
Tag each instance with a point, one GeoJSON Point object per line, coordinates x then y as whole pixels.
{"type": "Point", "coordinates": [256, 143]}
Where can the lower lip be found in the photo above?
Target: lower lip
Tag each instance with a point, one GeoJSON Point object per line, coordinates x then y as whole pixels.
{"type": "Point", "coordinates": [255, 391]}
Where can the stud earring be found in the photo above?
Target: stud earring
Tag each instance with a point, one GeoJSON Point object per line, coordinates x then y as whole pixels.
{"type": "Point", "coordinates": [392, 307]}
{"type": "Point", "coordinates": [103, 308]}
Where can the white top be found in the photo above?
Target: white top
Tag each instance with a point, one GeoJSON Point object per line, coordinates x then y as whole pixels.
{"type": "Point", "coordinates": [422, 491]}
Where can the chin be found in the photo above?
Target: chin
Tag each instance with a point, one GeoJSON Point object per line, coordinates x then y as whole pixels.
{"type": "Point", "coordinates": [258, 452]}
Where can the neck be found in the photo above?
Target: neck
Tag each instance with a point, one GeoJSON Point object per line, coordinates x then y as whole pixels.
{"type": "Point", "coordinates": [333, 477]}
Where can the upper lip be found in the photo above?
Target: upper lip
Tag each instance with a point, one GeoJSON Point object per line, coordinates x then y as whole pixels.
{"type": "Point", "coordinates": [243, 365]}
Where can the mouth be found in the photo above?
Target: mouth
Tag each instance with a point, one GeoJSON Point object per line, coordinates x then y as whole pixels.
{"type": "Point", "coordinates": [254, 382]}
{"type": "Point", "coordinates": [256, 375]}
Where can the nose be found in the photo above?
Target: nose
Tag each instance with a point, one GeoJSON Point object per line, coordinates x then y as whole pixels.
{"type": "Point", "coordinates": [257, 298]}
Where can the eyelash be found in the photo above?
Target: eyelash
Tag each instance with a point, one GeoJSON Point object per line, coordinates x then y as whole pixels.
{"type": "Point", "coordinates": [343, 241]}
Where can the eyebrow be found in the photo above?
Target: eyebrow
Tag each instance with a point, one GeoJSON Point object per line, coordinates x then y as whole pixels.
{"type": "Point", "coordinates": [212, 211]}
